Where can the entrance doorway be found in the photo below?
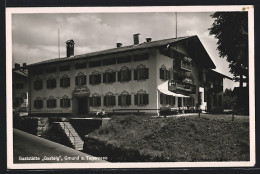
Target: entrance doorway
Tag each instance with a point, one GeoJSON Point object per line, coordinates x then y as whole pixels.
{"type": "Point", "coordinates": [83, 105]}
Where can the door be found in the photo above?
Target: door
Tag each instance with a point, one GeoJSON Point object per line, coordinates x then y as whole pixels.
{"type": "Point", "coordinates": [83, 105]}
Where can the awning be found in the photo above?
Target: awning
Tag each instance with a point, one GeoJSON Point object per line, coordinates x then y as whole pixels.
{"type": "Point", "coordinates": [163, 88]}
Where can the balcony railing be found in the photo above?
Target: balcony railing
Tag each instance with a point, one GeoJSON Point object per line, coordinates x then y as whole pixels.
{"type": "Point", "coordinates": [173, 86]}
{"type": "Point", "coordinates": [186, 65]}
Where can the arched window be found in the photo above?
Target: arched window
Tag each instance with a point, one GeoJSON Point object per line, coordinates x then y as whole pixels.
{"type": "Point", "coordinates": [37, 84]}
{"type": "Point", "coordinates": [141, 98]}
{"type": "Point", "coordinates": [51, 82]}
{"type": "Point", "coordinates": [141, 72]}
{"type": "Point", "coordinates": [95, 100]}
{"type": "Point", "coordinates": [51, 102]}
{"type": "Point", "coordinates": [38, 103]}
{"type": "Point", "coordinates": [124, 74]}
{"type": "Point", "coordinates": [109, 76]}
{"type": "Point", "coordinates": [109, 99]}
{"type": "Point", "coordinates": [164, 73]}
{"type": "Point", "coordinates": [64, 81]}
{"type": "Point", "coordinates": [95, 78]}
{"type": "Point", "coordinates": [124, 99]}
{"type": "Point", "coordinates": [65, 102]}
{"type": "Point", "coordinates": [80, 79]}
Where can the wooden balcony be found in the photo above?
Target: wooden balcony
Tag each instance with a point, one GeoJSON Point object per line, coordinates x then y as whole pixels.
{"type": "Point", "coordinates": [174, 86]}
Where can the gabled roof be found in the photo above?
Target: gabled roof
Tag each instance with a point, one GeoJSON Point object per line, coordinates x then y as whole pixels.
{"type": "Point", "coordinates": [145, 45]}
{"type": "Point", "coordinates": [219, 74]}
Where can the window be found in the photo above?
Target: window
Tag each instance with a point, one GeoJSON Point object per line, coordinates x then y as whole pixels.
{"type": "Point", "coordinates": [124, 59]}
{"type": "Point", "coordinates": [95, 78]}
{"type": "Point", "coordinates": [141, 73]}
{"type": "Point", "coordinates": [94, 64]}
{"type": "Point", "coordinates": [124, 99]}
{"type": "Point", "coordinates": [109, 100]}
{"type": "Point", "coordinates": [164, 73]}
{"type": "Point", "coordinates": [95, 100]}
{"type": "Point", "coordinates": [109, 76]}
{"type": "Point", "coordinates": [141, 98]}
{"type": "Point", "coordinates": [80, 65]}
{"type": "Point", "coordinates": [51, 70]}
{"type": "Point", "coordinates": [65, 102]}
{"type": "Point", "coordinates": [51, 83]}
{"type": "Point", "coordinates": [18, 86]}
{"type": "Point", "coordinates": [38, 103]}
{"type": "Point", "coordinates": [65, 68]}
{"type": "Point", "coordinates": [111, 61]}
{"type": "Point", "coordinates": [219, 100]}
{"type": "Point", "coordinates": [80, 79]}
{"type": "Point", "coordinates": [37, 84]}
{"type": "Point", "coordinates": [167, 99]}
{"type": "Point", "coordinates": [124, 74]}
{"type": "Point", "coordinates": [140, 57]}
{"type": "Point", "coordinates": [38, 71]}
{"type": "Point", "coordinates": [65, 81]}
{"type": "Point", "coordinates": [51, 102]}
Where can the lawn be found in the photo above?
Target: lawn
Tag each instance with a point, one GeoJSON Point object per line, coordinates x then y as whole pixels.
{"type": "Point", "coordinates": [186, 138]}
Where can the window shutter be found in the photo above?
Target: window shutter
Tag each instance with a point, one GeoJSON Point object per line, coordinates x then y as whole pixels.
{"type": "Point", "coordinates": [41, 103]}
{"type": "Point", "coordinates": [128, 100]}
{"type": "Point", "coordinates": [161, 98]}
{"type": "Point", "coordinates": [146, 73]}
{"type": "Point", "coordinates": [136, 99]}
{"type": "Point", "coordinates": [113, 76]}
{"type": "Point", "coordinates": [35, 104]}
{"type": "Point", "coordinates": [119, 100]}
{"type": "Point", "coordinates": [68, 102]}
{"type": "Point", "coordinates": [105, 100]}
{"type": "Point", "coordinates": [68, 81]}
{"type": "Point", "coordinates": [129, 75]}
{"type": "Point", "coordinates": [104, 78]}
{"type": "Point", "coordinates": [61, 102]}
{"type": "Point", "coordinates": [55, 103]}
{"type": "Point", "coordinates": [54, 81]}
{"type": "Point", "coordinates": [99, 78]}
{"type": "Point", "coordinates": [91, 101]}
{"type": "Point", "coordinates": [168, 75]}
{"type": "Point", "coordinates": [48, 84]}
{"type": "Point", "coordinates": [48, 103]}
{"type": "Point", "coordinates": [76, 80]}
{"type": "Point", "coordinates": [146, 99]}
{"type": "Point", "coordinates": [84, 79]}
{"type": "Point", "coordinates": [119, 76]}
{"type": "Point", "coordinates": [61, 82]}
{"type": "Point", "coordinates": [161, 73]}
{"type": "Point", "coordinates": [113, 100]}
{"type": "Point", "coordinates": [90, 79]}
{"type": "Point", "coordinates": [135, 74]}
{"type": "Point", "coordinates": [99, 101]}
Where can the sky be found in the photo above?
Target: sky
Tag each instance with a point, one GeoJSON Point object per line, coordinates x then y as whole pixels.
{"type": "Point", "coordinates": [35, 36]}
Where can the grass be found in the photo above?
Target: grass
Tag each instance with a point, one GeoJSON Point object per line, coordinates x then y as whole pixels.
{"type": "Point", "coordinates": [187, 138]}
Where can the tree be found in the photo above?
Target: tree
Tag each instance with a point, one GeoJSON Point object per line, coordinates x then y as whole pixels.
{"type": "Point", "coordinates": [231, 30]}
{"type": "Point", "coordinates": [229, 99]}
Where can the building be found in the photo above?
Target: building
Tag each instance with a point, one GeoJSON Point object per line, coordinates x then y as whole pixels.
{"type": "Point", "coordinates": [20, 87]}
{"type": "Point", "coordinates": [149, 75]}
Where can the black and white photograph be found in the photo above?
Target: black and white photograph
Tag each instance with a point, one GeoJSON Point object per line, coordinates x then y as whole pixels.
{"type": "Point", "coordinates": [130, 87]}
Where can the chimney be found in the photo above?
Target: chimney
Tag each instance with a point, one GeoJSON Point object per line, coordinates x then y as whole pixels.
{"type": "Point", "coordinates": [118, 45]}
{"type": "Point", "coordinates": [70, 48]}
{"type": "Point", "coordinates": [24, 64]}
{"type": "Point", "coordinates": [148, 39]}
{"type": "Point", "coordinates": [136, 39]}
{"type": "Point", "coordinates": [16, 65]}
